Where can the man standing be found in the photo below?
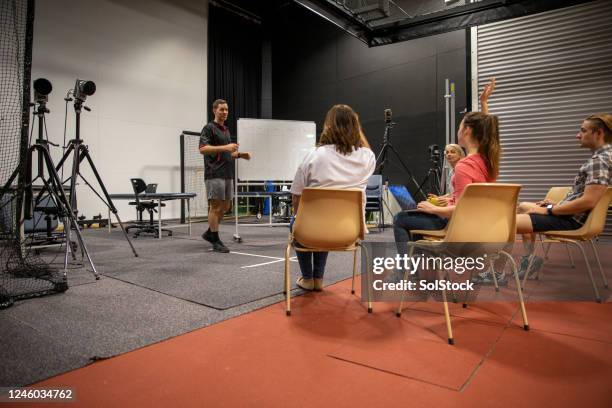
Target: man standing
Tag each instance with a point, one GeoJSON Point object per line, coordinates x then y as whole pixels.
{"type": "Point", "coordinates": [219, 154]}
{"type": "Point", "coordinates": [589, 186]}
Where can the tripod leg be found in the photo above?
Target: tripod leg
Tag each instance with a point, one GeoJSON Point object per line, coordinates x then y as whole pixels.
{"type": "Point", "coordinates": [399, 158]}
{"type": "Point", "coordinates": [111, 206]}
{"type": "Point", "coordinates": [64, 157]}
{"type": "Point", "coordinates": [381, 159]}
{"type": "Point", "coordinates": [69, 212]}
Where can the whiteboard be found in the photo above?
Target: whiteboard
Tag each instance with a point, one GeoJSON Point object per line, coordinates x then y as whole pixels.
{"type": "Point", "coordinates": [277, 147]}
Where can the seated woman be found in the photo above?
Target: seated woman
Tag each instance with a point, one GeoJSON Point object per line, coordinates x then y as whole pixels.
{"type": "Point", "coordinates": [453, 153]}
{"type": "Point", "coordinates": [479, 135]}
{"type": "Point", "coordinates": [342, 159]}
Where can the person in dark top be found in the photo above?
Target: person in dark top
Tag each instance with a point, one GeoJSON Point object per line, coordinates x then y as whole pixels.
{"type": "Point", "coordinates": [219, 153]}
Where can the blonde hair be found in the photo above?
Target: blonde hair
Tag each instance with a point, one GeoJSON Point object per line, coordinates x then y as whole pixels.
{"type": "Point", "coordinates": [458, 149]}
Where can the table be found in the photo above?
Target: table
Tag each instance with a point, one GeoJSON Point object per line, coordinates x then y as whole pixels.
{"type": "Point", "coordinates": [159, 197]}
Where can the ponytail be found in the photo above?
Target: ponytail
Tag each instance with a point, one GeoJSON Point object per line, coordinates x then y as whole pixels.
{"type": "Point", "coordinates": [485, 129]}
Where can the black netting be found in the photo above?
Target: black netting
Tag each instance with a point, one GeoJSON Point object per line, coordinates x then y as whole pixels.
{"type": "Point", "coordinates": [23, 273]}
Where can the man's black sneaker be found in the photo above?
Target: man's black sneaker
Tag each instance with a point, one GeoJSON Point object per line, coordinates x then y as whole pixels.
{"type": "Point", "coordinates": [219, 247]}
{"type": "Point", "coordinates": [208, 236]}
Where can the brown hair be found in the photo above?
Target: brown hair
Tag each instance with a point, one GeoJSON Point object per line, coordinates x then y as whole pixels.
{"type": "Point", "coordinates": [342, 129]}
{"type": "Point", "coordinates": [485, 130]}
{"type": "Point", "coordinates": [218, 102]}
{"type": "Point", "coordinates": [603, 122]}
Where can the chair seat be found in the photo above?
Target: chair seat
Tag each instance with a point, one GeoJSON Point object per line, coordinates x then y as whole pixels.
{"type": "Point", "coordinates": [430, 233]}
{"type": "Point", "coordinates": [352, 247]}
{"type": "Point", "coordinates": [570, 234]}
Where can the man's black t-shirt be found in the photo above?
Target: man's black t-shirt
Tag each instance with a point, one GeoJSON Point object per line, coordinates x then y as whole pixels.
{"type": "Point", "coordinates": [218, 165]}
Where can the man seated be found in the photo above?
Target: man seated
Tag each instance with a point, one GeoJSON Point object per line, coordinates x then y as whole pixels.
{"type": "Point", "coordinates": [589, 186]}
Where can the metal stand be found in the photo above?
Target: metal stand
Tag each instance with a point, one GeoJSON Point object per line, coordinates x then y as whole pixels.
{"type": "Point", "coordinates": [434, 177]}
{"type": "Point", "coordinates": [449, 101]}
{"type": "Point", "coordinates": [81, 152]}
{"type": "Point", "coordinates": [53, 185]}
{"type": "Point", "coordinates": [382, 158]}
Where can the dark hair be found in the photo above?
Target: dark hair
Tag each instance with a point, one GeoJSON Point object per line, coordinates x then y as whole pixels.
{"type": "Point", "coordinates": [218, 102]}
{"type": "Point", "coordinates": [485, 130]}
{"type": "Point", "coordinates": [342, 129]}
{"type": "Point", "coordinates": [603, 122]}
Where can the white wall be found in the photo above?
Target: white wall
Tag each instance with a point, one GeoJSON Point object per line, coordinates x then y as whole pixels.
{"type": "Point", "coordinates": [148, 60]}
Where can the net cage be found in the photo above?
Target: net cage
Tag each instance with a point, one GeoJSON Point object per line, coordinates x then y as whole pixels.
{"type": "Point", "coordinates": [192, 174]}
{"type": "Point", "coordinates": [23, 271]}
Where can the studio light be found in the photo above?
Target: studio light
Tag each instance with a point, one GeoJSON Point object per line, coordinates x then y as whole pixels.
{"type": "Point", "coordinates": [83, 89]}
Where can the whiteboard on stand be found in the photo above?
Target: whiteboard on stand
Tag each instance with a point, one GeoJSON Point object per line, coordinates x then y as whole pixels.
{"type": "Point", "coordinates": [277, 147]}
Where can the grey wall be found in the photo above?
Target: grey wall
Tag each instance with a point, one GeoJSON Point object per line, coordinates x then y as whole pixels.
{"type": "Point", "coordinates": [148, 60]}
{"type": "Point", "coordinates": [316, 65]}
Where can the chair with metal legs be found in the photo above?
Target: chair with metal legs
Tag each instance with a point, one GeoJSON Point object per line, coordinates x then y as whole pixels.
{"type": "Point", "coordinates": [554, 195]}
{"type": "Point", "coordinates": [328, 220]}
{"type": "Point", "coordinates": [485, 213]}
{"type": "Point", "coordinates": [592, 227]}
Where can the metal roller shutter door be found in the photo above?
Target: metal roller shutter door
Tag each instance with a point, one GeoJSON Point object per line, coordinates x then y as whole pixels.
{"type": "Point", "coordinates": [553, 69]}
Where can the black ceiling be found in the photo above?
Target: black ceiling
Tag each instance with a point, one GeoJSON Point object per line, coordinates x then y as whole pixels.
{"type": "Point", "coordinates": [380, 22]}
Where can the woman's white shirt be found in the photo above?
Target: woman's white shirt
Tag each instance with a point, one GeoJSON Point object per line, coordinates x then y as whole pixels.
{"type": "Point", "coordinates": [326, 167]}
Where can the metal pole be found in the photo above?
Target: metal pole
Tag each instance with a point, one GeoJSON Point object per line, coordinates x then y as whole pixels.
{"type": "Point", "coordinates": [447, 97]}
{"type": "Point", "coordinates": [453, 138]}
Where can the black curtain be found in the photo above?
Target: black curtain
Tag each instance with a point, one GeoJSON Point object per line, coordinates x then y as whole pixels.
{"type": "Point", "coordinates": [234, 64]}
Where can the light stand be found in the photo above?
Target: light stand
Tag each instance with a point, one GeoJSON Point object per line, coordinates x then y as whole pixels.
{"type": "Point", "coordinates": [81, 90]}
{"type": "Point", "coordinates": [52, 184]}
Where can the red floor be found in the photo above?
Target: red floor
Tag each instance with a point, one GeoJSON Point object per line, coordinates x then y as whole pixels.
{"type": "Point", "coordinates": [332, 353]}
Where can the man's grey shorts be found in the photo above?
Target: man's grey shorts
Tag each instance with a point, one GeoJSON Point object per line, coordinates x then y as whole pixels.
{"type": "Point", "coordinates": [219, 189]}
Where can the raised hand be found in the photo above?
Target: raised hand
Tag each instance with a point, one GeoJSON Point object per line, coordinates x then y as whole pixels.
{"type": "Point", "coordinates": [484, 96]}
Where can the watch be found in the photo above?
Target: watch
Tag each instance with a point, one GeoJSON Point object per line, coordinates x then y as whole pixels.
{"type": "Point", "coordinates": [549, 208]}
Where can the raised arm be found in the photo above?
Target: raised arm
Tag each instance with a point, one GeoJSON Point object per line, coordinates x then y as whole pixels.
{"type": "Point", "coordinates": [484, 96]}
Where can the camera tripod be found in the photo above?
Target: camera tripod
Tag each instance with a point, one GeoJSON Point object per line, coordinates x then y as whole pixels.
{"type": "Point", "coordinates": [52, 184]}
{"type": "Point", "coordinates": [434, 177]}
{"type": "Point", "coordinates": [81, 152]}
{"type": "Point", "coordinates": [383, 158]}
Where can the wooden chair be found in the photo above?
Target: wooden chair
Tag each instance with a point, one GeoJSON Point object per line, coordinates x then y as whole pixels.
{"type": "Point", "coordinates": [327, 220]}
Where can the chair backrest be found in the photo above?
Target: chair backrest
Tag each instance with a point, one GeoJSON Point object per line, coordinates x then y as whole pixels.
{"type": "Point", "coordinates": [556, 194]}
{"type": "Point", "coordinates": [329, 218]}
{"type": "Point", "coordinates": [596, 221]}
{"type": "Point", "coordinates": [374, 186]}
{"type": "Point", "coordinates": [485, 212]}
{"type": "Point", "coordinates": [138, 185]}
{"type": "Point", "coordinates": [151, 188]}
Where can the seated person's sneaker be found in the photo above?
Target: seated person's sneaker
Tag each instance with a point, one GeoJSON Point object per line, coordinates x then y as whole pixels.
{"type": "Point", "coordinates": [536, 265]}
{"type": "Point", "coordinates": [306, 284]}
{"type": "Point", "coordinates": [486, 278]}
{"type": "Point", "coordinates": [218, 246]}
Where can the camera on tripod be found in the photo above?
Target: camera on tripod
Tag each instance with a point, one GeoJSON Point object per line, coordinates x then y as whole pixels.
{"type": "Point", "coordinates": [435, 155]}
{"type": "Point", "coordinates": [42, 89]}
